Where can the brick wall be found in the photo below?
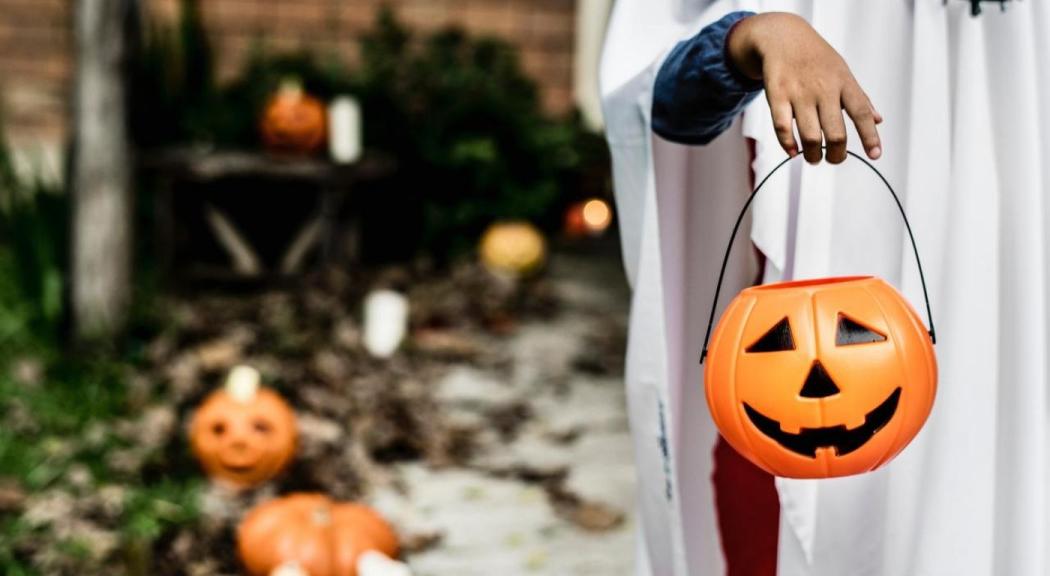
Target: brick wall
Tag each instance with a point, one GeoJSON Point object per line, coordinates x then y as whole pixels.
{"type": "Point", "coordinates": [35, 68]}
{"type": "Point", "coordinates": [36, 39]}
{"type": "Point", "coordinates": [542, 29]}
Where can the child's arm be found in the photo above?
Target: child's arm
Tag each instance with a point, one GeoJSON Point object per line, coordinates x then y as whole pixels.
{"type": "Point", "coordinates": [708, 79]}
{"type": "Point", "coordinates": [698, 91]}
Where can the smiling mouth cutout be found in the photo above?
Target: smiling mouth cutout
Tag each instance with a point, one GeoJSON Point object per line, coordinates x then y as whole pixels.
{"type": "Point", "coordinates": [243, 469]}
{"type": "Point", "coordinates": [838, 437]}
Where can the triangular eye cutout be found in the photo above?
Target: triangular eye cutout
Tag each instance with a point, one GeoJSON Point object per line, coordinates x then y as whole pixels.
{"type": "Point", "coordinates": [777, 339]}
{"type": "Point", "coordinates": [851, 332]}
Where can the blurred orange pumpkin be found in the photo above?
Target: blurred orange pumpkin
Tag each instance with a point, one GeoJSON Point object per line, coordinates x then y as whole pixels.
{"type": "Point", "coordinates": [322, 537]}
{"type": "Point", "coordinates": [243, 435]}
{"type": "Point", "coordinates": [515, 248]}
{"type": "Point", "coordinates": [293, 122]}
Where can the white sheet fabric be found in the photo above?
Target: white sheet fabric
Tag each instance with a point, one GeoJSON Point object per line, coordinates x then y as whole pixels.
{"type": "Point", "coordinates": [966, 142]}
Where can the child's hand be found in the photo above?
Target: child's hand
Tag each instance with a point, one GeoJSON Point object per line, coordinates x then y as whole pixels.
{"type": "Point", "coordinates": [805, 79]}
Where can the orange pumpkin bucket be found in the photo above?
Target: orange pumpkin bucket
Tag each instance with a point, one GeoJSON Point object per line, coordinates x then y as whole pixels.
{"type": "Point", "coordinates": [820, 378]}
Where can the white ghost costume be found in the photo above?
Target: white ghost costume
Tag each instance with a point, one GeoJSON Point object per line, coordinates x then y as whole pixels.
{"type": "Point", "coordinates": [966, 144]}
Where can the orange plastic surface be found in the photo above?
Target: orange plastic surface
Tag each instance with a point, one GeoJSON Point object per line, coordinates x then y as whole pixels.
{"type": "Point", "coordinates": [838, 401]}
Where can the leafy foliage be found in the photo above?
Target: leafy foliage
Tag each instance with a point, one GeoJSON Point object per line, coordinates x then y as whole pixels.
{"type": "Point", "coordinates": [173, 93]}
{"type": "Point", "coordinates": [62, 424]}
{"type": "Point", "coordinates": [466, 123]}
{"type": "Point", "coordinates": [33, 223]}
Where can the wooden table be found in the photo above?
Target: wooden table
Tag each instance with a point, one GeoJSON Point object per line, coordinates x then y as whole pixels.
{"type": "Point", "coordinates": [213, 175]}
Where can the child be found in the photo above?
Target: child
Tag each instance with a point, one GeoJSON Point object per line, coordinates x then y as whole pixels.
{"type": "Point", "coordinates": [963, 142]}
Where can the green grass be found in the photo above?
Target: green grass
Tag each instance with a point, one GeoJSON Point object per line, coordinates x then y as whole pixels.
{"type": "Point", "coordinates": [65, 420]}
{"type": "Point", "coordinates": [76, 397]}
{"type": "Point", "coordinates": [152, 510]}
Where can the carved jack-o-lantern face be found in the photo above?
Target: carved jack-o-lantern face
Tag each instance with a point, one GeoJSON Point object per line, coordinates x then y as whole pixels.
{"type": "Point", "coordinates": [243, 435]}
{"type": "Point", "coordinates": [820, 378]}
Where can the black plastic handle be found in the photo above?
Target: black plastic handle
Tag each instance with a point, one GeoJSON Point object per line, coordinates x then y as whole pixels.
{"type": "Point", "coordinates": [743, 212]}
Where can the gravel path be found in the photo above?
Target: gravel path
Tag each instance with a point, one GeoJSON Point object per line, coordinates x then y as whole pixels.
{"type": "Point", "coordinates": [557, 498]}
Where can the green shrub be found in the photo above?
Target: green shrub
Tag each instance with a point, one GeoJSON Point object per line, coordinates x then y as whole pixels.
{"type": "Point", "coordinates": [33, 261]}
{"type": "Point", "coordinates": [173, 95]}
{"type": "Point", "coordinates": [465, 123]}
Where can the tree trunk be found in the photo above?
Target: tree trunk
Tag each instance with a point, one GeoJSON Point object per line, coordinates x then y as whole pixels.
{"type": "Point", "coordinates": [101, 175]}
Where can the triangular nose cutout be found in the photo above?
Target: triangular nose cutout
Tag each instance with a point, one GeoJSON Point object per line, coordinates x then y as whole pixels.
{"type": "Point", "coordinates": [818, 383]}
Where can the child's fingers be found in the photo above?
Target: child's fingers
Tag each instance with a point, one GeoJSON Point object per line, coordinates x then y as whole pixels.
{"type": "Point", "coordinates": [782, 123]}
{"type": "Point", "coordinates": [808, 122]}
{"type": "Point", "coordinates": [878, 116]}
{"type": "Point", "coordinates": [864, 118]}
{"type": "Point", "coordinates": [834, 130]}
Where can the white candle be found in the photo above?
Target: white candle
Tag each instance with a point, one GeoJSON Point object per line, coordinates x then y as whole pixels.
{"type": "Point", "coordinates": [344, 129]}
{"type": "Point", "coordinates": [243, 383]}
{"type": "Point", "coordinates": [386, 322]}
{"type": "Point", "coordinates": [373, 563]}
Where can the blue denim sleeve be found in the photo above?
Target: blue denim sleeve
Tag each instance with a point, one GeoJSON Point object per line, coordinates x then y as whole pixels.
{"type": "Point", "coordinates": [698, 93]}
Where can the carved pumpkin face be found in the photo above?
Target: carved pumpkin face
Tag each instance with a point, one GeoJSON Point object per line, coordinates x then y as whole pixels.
{"type": "Point", "coordinates": [293, 121]}
{"type": "Point", "coordinates": [243, 435]}
{"type": "Point", "coordinates": [820, 378]}
{"type": "Point", "coordinates": [312, 532]}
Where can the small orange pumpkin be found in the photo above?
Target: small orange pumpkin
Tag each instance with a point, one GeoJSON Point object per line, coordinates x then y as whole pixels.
{"type": "Point", "coordinates": [322, 537]}
{"type": "Point", "coordinates": [820, 378]}
{"type": "Point", "coordinates": [514, 248]}
{"type": "Point", "coordinates": [293, 122]}
{"type": "Point", "coordinates": [243, 435]}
